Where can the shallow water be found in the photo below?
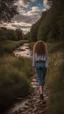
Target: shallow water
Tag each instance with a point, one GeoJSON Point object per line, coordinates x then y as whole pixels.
{"type": "Point", "coordinates": [23, 51]}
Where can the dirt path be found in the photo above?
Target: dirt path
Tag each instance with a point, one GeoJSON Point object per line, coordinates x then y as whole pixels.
{"type": "Point", "coordinates": [33, 104]}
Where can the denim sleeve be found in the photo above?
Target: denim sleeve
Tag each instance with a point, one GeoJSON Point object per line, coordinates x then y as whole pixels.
{"type": "Point", "coordinates": [46, 63]}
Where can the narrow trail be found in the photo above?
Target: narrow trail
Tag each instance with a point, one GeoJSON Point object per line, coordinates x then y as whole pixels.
{"type": "Point", "coordinates": [32, 104]}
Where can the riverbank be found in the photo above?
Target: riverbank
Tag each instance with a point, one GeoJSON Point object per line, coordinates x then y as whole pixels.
{"type": "Point", "coordinates": [8, 46]}
{"type": "Point", "coordinates": [14, 79]}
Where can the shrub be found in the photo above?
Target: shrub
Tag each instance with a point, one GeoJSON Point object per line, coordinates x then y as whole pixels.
{"type": "Point", "coordinates": [13, 80]}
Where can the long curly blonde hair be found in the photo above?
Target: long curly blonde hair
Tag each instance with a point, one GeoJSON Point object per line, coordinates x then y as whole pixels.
{"type": "Point", "coordinates": [40, 48]}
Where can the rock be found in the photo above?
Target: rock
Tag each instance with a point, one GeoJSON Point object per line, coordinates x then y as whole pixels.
{"type": "Point", "coordinates": [19, 49]}
{"type": "Point", "coordinates": [27, 104]}
{"type": "Point", "coordinates": [38, 101]}
{"type": "Point", "coordinates": [43, 111]}
{"type": "Point", "coordinates": [30, 110]}
{"type": "Point", "coordinates": [16, 112]}
{"type": "Point", "coordinates": [30, 100]}
{"type": "Point", "coordinates": [25, 107]}
{"type": "Point", "coordinates": [34, 80]}
{"type": "Point", "coordinates": [35, 109]}
{"type": "Point", "coordinates": [34, 99]}
{"type": "Point", "coordinates": [27, 48]}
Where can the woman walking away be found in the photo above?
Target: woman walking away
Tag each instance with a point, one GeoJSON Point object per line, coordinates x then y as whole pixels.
{"type": "Point", "coordinates": [40, 62]}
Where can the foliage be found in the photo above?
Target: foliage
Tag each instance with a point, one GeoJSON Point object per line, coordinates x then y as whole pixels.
{"type": "Point", "coordinates": [32, 35]}
{"type": "Point", "coordinates": [27, 36]}
{"type": "Point", "coordinates": [7, 10]}
{"type": "Point", "coordinates": [7, 34]}
{"type": "Point", "coordinates": [55, 83]}
{"type": "Point", "coordinates": [55, 79]}
{"type": "Point", "coordinates": [50, 27]}
{"type": "Point", "coordinates": [56, 2]}
{"type": "Point", "coordinates": [9, 46]}
{"type": "Point", "coordinates": [19, 34]}
{"type": "Point", "coordinates": [13, 79]}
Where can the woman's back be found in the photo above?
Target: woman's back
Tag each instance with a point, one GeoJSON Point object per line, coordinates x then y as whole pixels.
{"type": "Point", "coordinates": [40, 62]}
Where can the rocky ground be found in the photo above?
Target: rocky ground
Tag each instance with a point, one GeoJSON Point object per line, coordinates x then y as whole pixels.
{"type": "Point", "coordinates": [33, 104]}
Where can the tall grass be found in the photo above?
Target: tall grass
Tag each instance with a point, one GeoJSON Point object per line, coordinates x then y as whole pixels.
{"type": "Point", "coordinates": [8, 46]}
{"type": "Point", "coordinates": [55, 79]}
{"type": "Point", "coordinates": [14, 79]}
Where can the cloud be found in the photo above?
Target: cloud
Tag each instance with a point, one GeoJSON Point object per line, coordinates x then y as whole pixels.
{"type": "Point", "coordinates": [33, 0]}
{"type": "Point", "coordinates": [25, 19]}
{"type": "Point", "coordinates": [30, 16]}
{"type": "Point", "coordinates": [46, 4]}
{"type": "Point", "coordinates": [23, 3]}
{"type": "Point", "coordinates": [15, 25]}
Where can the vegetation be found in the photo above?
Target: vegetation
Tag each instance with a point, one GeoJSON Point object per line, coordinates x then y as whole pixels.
{"type": "Point", "coordinates": [50, 27]}
{"type": "Point", "coordinates": [10, 46]}
{"type": "Point", "coordinates": [14, 79]}
{"type": "Point", "coordinates": [7, 34]}
{"type": "Point", "coordinates": [55, 79]}
{"type": "Point", "coordinates": [32, 35]}
{"type": "Point", "coordinates": [7, 10]}
{"type": "Point", "coordinates": [10, 40]}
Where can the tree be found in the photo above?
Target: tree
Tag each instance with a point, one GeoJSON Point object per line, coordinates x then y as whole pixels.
{"type": "Point", "coordinates": [56, 2]}
{"type": "Point", "coordinates": [27, 36]}
{"type": "Point", "coordinates": [19, 34]}
{"type": "Point", "coordinates": [7, 10]}
{"type": "Point", "coordinates": [35, 27]}
{"type": "Point", "coordinates": [11, 35]}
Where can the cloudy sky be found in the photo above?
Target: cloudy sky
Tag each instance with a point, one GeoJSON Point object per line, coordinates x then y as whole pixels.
{"type": "Point", "coordinates": [29, 12]}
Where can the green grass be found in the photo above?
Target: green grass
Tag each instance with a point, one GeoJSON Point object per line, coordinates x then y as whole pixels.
{"type": "Point", "coordinates": [55, 79]}
{"type": "Point", "coordinates": [14, 79]}
{"type": "Point", "coordinates": [8, 46]}
{"type": "Point", "coordinates": [31, 44]}
{"type": "Point", "coordinates": [54, 47]}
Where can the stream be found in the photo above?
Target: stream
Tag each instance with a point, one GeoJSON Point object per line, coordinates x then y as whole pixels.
{"type": "Point", "coordinates": [32, 104]}
{"type": "Point", "coordinates": [23, 51]}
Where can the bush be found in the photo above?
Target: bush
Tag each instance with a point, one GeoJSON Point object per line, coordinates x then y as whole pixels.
{"type": "Point", "coordinates": [8, 46]}
{"type": "Point", "coordinates": [13, 80]}
{"type": "Point", "coordinates": [55, 79]}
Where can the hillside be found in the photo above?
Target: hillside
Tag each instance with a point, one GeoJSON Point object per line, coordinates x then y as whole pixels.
{"type": "Point", "coordinates": [50, 27]}
{"type": "Point", "coordinates": [55, 79]}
